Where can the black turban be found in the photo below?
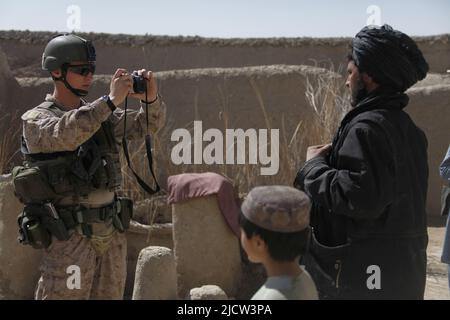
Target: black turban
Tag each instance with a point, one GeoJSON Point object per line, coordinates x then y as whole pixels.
{"type": "Point", "coordinates": [389, 57]}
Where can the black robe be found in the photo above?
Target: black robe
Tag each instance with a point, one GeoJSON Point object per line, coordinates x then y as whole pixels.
{"type": "Point", "coordinates": [371, 192]}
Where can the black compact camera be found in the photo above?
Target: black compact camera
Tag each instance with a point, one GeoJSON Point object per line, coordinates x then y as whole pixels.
{"type": "Point", "coordinates": [139, 83]}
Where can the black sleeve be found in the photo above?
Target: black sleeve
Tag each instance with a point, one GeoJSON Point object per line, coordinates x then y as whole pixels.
{"type": "Point", "coordinates": [363, 184]}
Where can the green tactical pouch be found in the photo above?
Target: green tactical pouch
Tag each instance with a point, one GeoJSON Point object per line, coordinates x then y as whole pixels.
{"type": "Point", "coordinates": [122, 220]}
{"type": "Point", "coordinates": [58, 178]}
{"type": "Point", "coordinates": [37, 224]}
{"type": "Point", "coordinates": [31, 185]}
{"type": "Point", "coordinates": [55, 226]}
{"type": "Point", "coordinates": [31, 229]}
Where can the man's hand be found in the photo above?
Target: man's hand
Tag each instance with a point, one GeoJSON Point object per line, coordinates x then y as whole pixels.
{"type": "Point", "coordinates": [121, 85]}
{"type": "Point", "coordinates": [152, 87]}
{"type": "Point", "coordinates": [317, 151]}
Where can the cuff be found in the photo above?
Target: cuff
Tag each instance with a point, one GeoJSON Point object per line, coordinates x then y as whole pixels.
{"type": "Point", "coordinates": [299, 181]}
{"type": "Point", "coordinates": [101, 109]}
{"type": "Point", "coordinates": [157, 99]}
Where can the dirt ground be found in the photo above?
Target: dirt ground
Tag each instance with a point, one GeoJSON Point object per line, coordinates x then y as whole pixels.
{"type": "Point", "coordinates": [437, 284]}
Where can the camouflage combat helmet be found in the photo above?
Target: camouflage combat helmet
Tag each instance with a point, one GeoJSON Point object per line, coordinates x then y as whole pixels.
{"type": "Point", "coordinates": [63, 50]}
{"type": "Point", "coordinates": [66, 48]}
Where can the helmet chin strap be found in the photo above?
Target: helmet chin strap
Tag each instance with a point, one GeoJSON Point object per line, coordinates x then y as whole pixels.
{"type": "Point", "coordinates": [77, 92]}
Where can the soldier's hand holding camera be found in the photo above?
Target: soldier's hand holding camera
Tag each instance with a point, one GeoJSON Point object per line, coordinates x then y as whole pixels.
{"type": "Point", "coordinates": [121, 85]}
{"type": "Point", "coordinates": [152, 87]}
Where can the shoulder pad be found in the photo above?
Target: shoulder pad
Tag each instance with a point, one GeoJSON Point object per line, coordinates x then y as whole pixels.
{"type": "Point", "coordinates": [50, 106]}
{"type": "Point", "coordinates": [32, 114]}
{"type": "Point", "coordinates": [44, 109]}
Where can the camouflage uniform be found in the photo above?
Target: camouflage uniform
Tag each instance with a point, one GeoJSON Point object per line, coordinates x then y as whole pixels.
{"type": "Point", "coordinates": [101, 258]}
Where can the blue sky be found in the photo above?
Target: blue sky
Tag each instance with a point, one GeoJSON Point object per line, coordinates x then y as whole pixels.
{"type": "Point", "coordinates": [226, 19]}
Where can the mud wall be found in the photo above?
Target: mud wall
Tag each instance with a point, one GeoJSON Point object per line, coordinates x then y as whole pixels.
{"type": "Point", "coordinates": [430, 109]}
{"type": "Point", "coordinates": [24, 50]}
{"type": "Point", "coordinates": [233, 98]}
{"type": "Point", "coordinates": [19, 264]}
{"type": "Point", "coordinates": [8, 84]}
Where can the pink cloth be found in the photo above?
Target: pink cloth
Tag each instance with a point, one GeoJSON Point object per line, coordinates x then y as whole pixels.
{"type": "Point", "coordinates": [194, 185]}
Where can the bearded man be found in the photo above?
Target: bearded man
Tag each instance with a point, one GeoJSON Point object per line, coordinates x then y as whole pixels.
{"type": "Point", "coordinates": [369, 187]}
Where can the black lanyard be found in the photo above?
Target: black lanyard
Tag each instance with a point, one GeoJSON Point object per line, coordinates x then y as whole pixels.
{"type": "Point", "coordinates": [148, 147]}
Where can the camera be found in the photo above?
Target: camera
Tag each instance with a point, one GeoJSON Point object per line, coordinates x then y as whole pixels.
{"type": "Point", "coordinates": [139, 83]}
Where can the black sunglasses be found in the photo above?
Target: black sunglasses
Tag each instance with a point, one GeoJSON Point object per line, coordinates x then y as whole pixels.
{"type": "Point", "coordinates": [82, 69]}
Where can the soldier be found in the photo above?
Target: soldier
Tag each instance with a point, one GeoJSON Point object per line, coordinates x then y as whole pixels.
{"type": "Point", "coordinates": [75, 145]}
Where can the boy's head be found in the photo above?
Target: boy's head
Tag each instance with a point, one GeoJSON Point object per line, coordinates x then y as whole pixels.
{"type": "Point", "coordinates": [274, 223]}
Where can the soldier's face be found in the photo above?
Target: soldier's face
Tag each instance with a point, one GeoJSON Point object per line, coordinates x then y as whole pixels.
{"type": "Point", "coordinates": [79, 81]}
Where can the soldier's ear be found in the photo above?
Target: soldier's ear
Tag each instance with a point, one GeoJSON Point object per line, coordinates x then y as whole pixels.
{"type": "Point", "coordinates": [56, 74]}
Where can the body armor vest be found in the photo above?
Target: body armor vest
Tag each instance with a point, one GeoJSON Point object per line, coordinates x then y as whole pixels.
{"type": "Point", "coordinates": [93, 165]}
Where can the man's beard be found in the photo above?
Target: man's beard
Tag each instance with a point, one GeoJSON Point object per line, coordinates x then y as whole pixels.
{"type": "Point", "coordinates": [358, 94]}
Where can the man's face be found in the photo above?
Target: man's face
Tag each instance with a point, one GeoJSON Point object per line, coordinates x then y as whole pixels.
{"type": "Point", "coordinates": [79, 76]}
{"type": "Point", "coordinates": [355, 83]}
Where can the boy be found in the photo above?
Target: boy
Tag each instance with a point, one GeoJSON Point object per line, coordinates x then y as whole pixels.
{"type": "Point", "coordinates": [274, 231]}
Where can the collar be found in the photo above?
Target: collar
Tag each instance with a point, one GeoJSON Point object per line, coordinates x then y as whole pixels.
{"type": "Point", "coordinates": [51, 98]}
{"type": "Point", "coordinates": [378, 100]}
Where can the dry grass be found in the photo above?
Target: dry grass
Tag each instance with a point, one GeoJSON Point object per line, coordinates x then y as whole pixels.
{"type": "Point", "coordinates": [325, 95]}
{"type": "Point", "coordinates": [9, 144]}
